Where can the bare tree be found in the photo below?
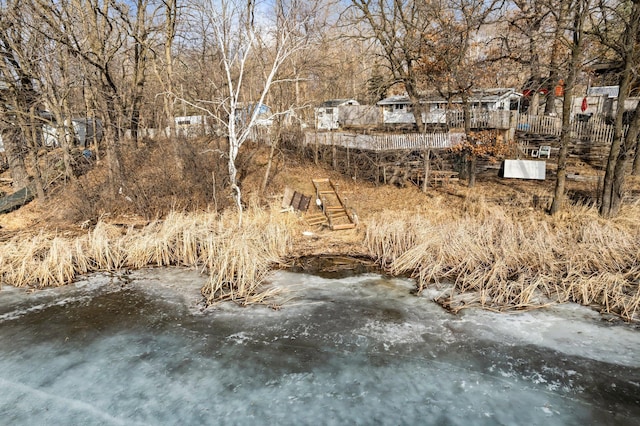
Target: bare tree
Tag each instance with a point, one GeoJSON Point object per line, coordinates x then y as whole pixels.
{"type": "Point", "coordinates": [449, 64]}
{"type": "Point", "coordinates": [580, 10]}
{"type": "Point", "coordinates": [626, 13]}
{"type": "Point", "coordinates": [529, 24]}
{"type": "Point", "coordinates": [89, 31]}
{"type": "Point", "coordinates": [163, 66]}
{"type": "Point", "coordinates": [20, 99]}
{"type": "Point", "coordinates": [137, 20]}
{"type": "Point", "coordinates": [250, 55]}
{"type": "Point", "coordinates": [398, 28]}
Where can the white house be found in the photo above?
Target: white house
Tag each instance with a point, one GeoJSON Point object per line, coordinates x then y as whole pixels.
{"type": "Point", "coordinates": [327, 115]}
{"type": "Point", "coordinates": [397, 109]}
{"type": "Point", "coordinates": [601, 101]}
{"type": "Point", "coordinates": [84, 131]}
{"type": "Point", "coordinates": [191, 125]}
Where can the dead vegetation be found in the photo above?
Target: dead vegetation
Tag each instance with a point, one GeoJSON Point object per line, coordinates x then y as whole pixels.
{"type": "Point", "coordinates": [490, 246]}
{"type": "Point", "coordinates": [499, 260]}
{"type": "Point", "coordinates": [236, 257]}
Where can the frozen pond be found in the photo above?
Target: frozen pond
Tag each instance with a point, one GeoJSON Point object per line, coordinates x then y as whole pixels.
{"type": "Point", "coordinates": [357, 350]}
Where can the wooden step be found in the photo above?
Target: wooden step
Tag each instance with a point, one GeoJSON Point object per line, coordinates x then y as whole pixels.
{"type": "Point", "coordinates": [335, 215]}
{"type": "Point", "coordinates": [315, 216]}
{"type": "Point", "coordinates": [343, 226]}
{"type": "Point", "coordinates": [327, 191]}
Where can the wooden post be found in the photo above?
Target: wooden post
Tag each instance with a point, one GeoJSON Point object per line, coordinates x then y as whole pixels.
{"type": "Point", "coordinates": [427, 164]}
{"type": "Point", "coordinates": [348, 163]}
{"type": "Point", "coordinates": [315, 153]}
{"type": "Point", "coordinates": [333, 152]}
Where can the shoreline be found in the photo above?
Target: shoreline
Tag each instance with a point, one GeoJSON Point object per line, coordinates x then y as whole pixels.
{"type": "Point", "coordinates": [496, 262]}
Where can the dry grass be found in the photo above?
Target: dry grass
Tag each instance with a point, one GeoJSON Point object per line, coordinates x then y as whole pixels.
{"type": "Point", "coordinates": [495, 257]}
{"type": "Point", "coordinates": [237, 257]}
{"type": "Point", "coordinates": [509, 262]}
{"type": "Point", "coordinates": [240, 257]}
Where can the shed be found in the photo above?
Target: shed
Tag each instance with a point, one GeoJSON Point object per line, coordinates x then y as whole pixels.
{"type": "Point", "coordinates": [327, 115]}
{"type": "Point", "coordinates": [191, 125]}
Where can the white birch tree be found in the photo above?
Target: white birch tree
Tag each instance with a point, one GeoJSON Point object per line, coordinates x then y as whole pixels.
{"type": "Point", "coordinates": [250, 52]}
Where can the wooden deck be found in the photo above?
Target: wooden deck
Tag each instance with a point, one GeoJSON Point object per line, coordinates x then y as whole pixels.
{"type": "Point", "coordinates": [384, 142]}
{"type": "Point", "coordinates": [595, 131]}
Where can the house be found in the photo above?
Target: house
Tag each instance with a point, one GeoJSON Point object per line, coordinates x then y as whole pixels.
{"type": "Point", "coordinates": [327, 115]}
{"type": "Point", "coordinates": [191, 125]}
{"type": "Point", "coordinates": [78, 131]}
{"type": "Point", "coordinates": [397, 109]}
{"type": "Point", "coordinates": [264, 116]}
{"type": "Point", "coordinates": [601, 101]}
{"type": "Point", "coordinates": [85, 131]}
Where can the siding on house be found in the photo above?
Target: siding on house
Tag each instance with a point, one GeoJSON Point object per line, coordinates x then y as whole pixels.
{"type": "Point", "coordinates": [327, 115]}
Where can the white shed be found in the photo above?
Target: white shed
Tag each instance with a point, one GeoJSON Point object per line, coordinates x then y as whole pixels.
{"type": "Point", "coordinates": [327, 115]}
{"type": "Point", "coordinates": [83, 133]}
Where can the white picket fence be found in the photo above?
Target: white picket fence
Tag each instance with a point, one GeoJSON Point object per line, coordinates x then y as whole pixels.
{"type": "Point", "coordinates": [385, 142]}
{"type": "Point", "coordinates": [482, 119]}
{"type": "Point", "coordinates": [596, 130]}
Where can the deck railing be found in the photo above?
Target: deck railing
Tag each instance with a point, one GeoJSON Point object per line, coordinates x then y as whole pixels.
{"type": "Point", "coordinates": [481, 119]}
{"type": "Point", "coordinates": [539, 124]}
{"type": "Point", "coordinates": [385, 142]}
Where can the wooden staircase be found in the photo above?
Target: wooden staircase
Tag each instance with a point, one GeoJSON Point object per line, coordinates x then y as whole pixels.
{"type": "Point", "coordinates": [334, 209]}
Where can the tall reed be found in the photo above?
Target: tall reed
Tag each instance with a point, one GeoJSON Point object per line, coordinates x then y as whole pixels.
{"type": "Point", "coordinates": [500, 260]}
{"type": "Point", "coordinates": [237, 257]}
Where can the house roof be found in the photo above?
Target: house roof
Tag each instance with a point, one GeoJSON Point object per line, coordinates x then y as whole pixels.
{"type": "Point", "coordinates": [479, 95]}
{"type": "Point", "coordinates": [609, 91]}
{"type": "Point", "coordinates": [395, 100]}
{"type": "Point", "coordinates": [333, 103]}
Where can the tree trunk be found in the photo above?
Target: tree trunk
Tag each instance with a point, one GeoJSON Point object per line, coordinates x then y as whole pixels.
{"type": "Point", "coordinates": [275, 139]}
{"type": "Point", "coordinates": [534, 103]}
{"type": "Point", "coordinates": [111, 139]}
{"type": "Point", "coordinates": [471, 156]}
{"type": "Point", "coordinates": [614, 174]}
{"type": "Point", "coordinates": [15, 149]}
{"type": "Point", "coordinates": [636, 158]}
{"type": "Point", "coordinates": [427, 167]}
{"type": "Point", "coordinates": [417, 108]}
{"type": "Point", "coordinates": [554, 65]}
{"type": "Point", "coordinates": [565, 135]}
{"type": "Point", "coordinates": [623, 161]}
{"type": "Point", "coordinates": [472, 170]}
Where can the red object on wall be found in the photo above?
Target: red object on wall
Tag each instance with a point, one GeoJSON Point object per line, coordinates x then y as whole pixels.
{"type": "Point", "coordinates": [584, 105]}
{"type": "Point", "coordinates": [559, 91]}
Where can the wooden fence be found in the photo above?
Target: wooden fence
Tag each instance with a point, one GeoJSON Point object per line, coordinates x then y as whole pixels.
{"type": "Point", "coordinates": [482, 119]}
{"type": "Point", "coordinates": [595, 130]}
{"type": "Point", "coordinates": [539, 124]}
{"type": "Point", "coordinates": [388, 142]}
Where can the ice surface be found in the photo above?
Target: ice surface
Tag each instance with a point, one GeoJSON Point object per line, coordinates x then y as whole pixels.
{"type": "Point", "coordinates": [359, 350]}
